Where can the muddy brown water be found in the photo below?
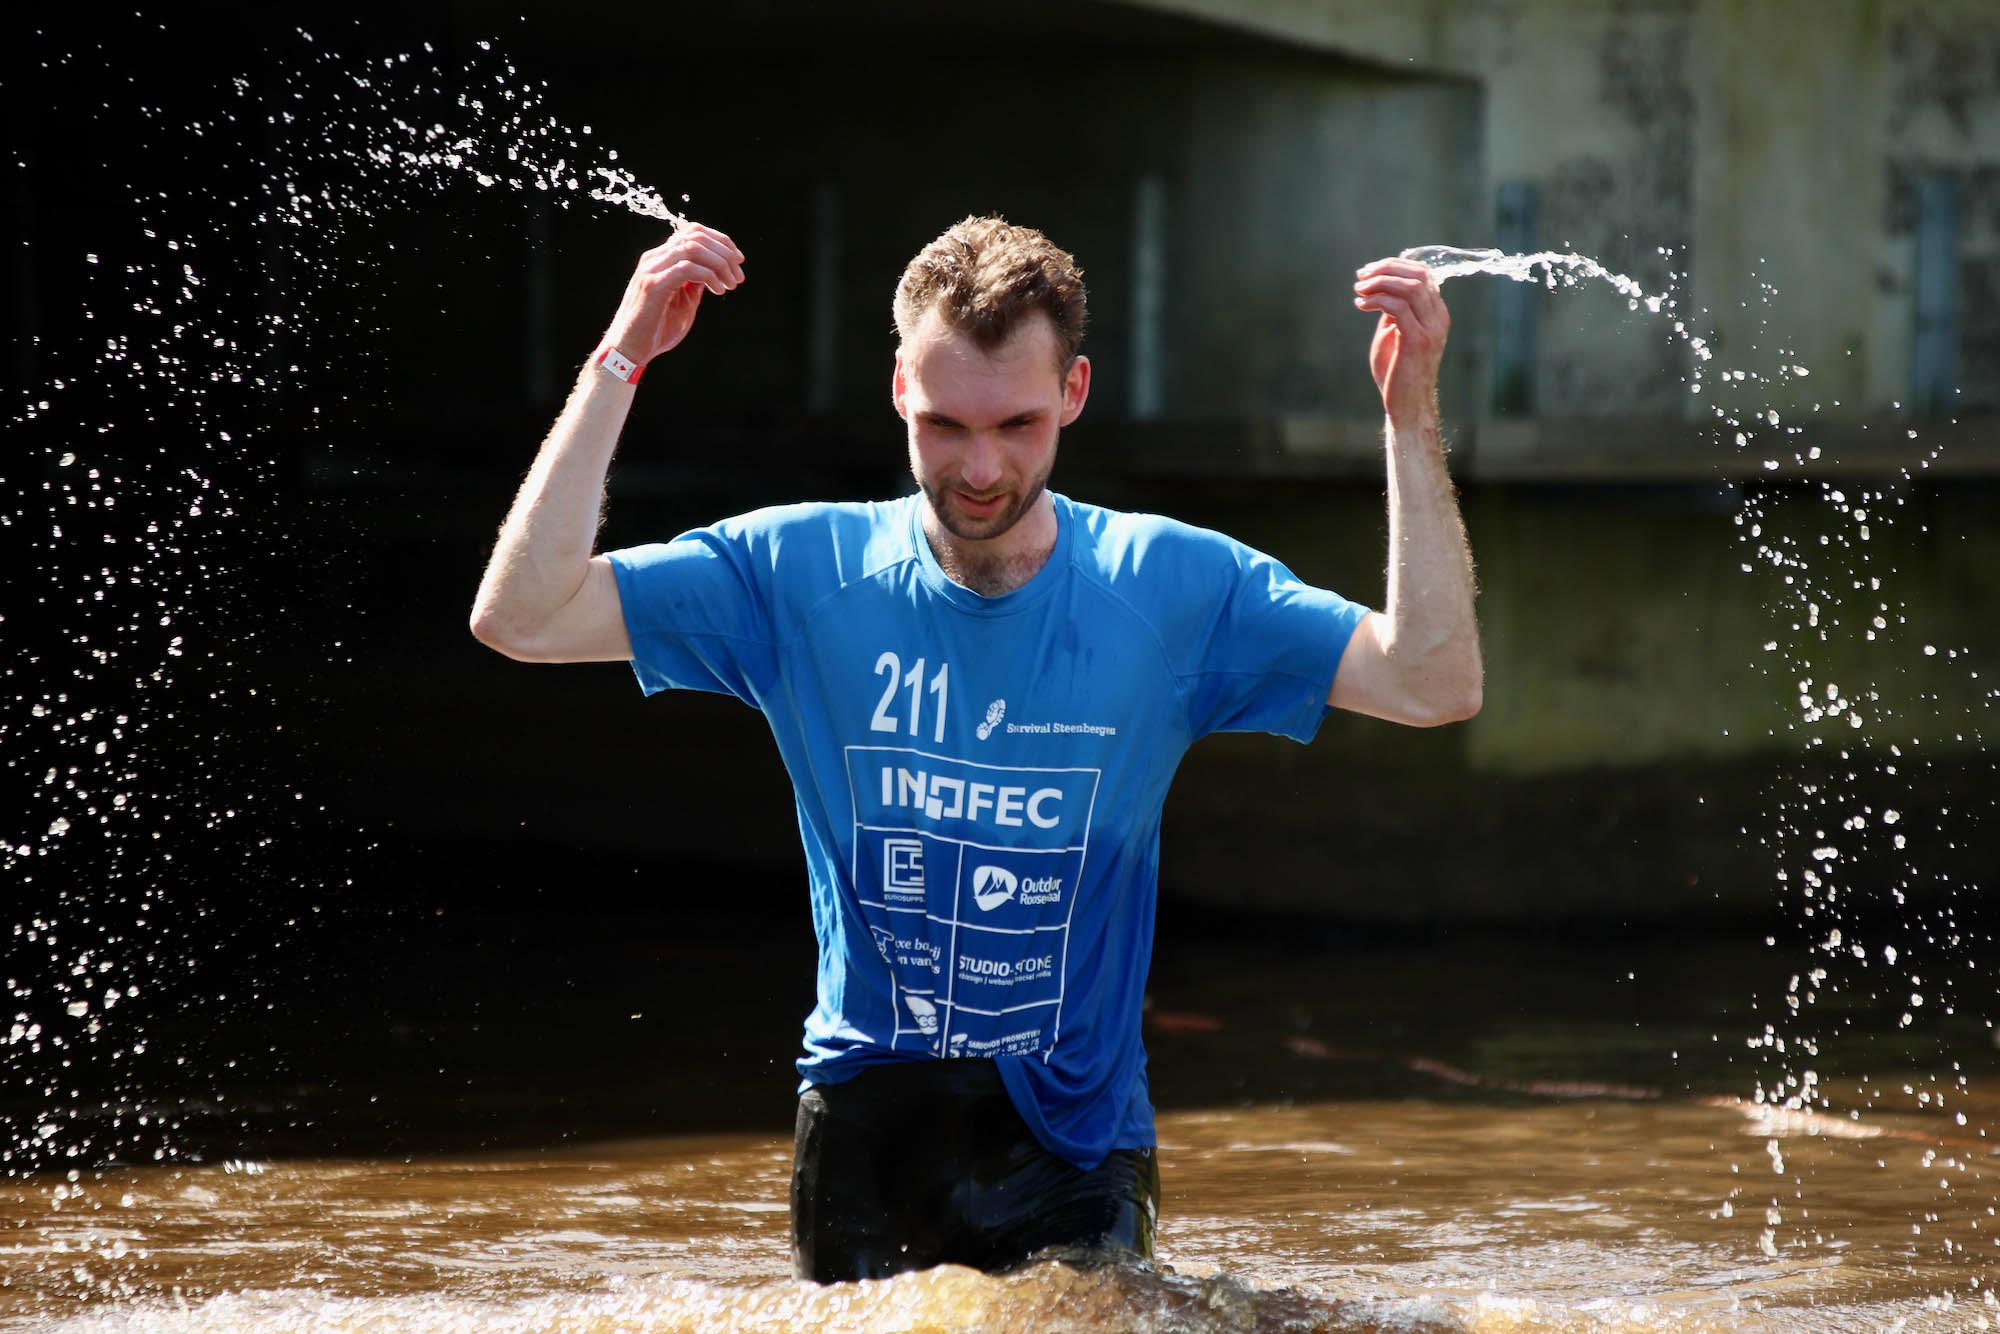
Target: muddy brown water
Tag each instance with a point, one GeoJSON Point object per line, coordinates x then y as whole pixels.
{"type": "Point", "coordinates": [1347, 1143]}
{"type": "Point", "coordinates": [1581, 1214]}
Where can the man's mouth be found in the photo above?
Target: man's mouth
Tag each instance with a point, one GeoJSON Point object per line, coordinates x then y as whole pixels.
{"type": "Point", "coordinates": [978, 506]}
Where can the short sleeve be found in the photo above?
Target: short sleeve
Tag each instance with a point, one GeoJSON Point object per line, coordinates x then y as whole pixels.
{"type": "Point", "coordinates": [698, 613]}
{"type": "Point", "coordinates": [1273, 645]}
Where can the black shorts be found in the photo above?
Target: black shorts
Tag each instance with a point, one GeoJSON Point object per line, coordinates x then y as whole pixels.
{"type": "Point", "coordinates": [926, 1162]}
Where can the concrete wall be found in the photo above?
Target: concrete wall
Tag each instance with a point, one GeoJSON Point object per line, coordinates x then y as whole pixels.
{"type": "Point", "coordinates": [1292, 176]}
{"type": "Point", "coordinates": [1789, 182]}
{"type": "Point", "coordinates": [1773, 146]}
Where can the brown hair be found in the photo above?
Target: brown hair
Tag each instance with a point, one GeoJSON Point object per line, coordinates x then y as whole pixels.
{"type": "Point", "coordinates": [983, 276]}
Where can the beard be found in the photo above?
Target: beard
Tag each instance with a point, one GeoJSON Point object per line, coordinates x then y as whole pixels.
{"type": "Point", "coordinates": [966, 527]}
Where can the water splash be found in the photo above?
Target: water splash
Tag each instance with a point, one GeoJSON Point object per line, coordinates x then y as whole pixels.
{"type": "Point", "coordinates": [138, 693]}
{"type": "Point", "coordinates": [1557, 269]}
{"type": "Point", "coordinates": [1861, 723]}
{"type": "Point", "coordinates": [620, 190]}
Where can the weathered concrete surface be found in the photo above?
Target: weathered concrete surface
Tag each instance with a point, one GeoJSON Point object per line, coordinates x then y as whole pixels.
{"type": "Point", "coordinates": [1769, 145]}
{"type": "Point", "coordinates": [1789, 181]}
{"type": "Point", "coordinates": [1657, 727]}
{"type": "Point", "coordinates": [1293, 174]}
{"type": "Point", "coordinates": [1622, 629]}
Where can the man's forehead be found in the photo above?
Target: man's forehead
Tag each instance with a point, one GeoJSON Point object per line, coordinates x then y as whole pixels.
{"type": "Point", "coordinates": [936, 344]}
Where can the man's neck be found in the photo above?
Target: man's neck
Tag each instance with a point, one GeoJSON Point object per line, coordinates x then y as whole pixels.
{"type": "Point", "coordinates": [999, 565]}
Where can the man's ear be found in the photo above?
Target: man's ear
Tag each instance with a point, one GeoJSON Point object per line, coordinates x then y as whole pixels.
{"type": "Point", "coordinates": [1076, 388]}
{"type": "Point", "coordinates": [898, 388]}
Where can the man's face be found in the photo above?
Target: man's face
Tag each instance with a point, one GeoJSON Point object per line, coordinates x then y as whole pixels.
{"type": "Point", "coordinates": [983, 425]}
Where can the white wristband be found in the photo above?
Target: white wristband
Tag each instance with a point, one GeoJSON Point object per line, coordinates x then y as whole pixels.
{"type": "Point", "coordinates": [620, 365]}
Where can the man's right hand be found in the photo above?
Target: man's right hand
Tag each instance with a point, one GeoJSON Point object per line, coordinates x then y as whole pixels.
{"type": "Point", "coordinates": [545, 598]}
{"type": "Point", "coordinates": [666, 290]}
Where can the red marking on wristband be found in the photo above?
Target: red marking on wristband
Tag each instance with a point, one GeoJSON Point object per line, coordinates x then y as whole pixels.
{"type": "Point", "coordinates": [620, 365]}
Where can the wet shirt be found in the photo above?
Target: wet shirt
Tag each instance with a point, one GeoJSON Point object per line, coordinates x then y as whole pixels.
{"type": "Point", "coordinates": [980, 779]}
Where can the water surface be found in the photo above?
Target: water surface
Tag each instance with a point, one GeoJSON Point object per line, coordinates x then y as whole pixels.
{"type": "Point", "coordinates": [1345, 1144]}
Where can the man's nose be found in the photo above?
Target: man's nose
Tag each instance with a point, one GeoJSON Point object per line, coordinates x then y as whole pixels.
{"type": "Point", "coordinates": [981, 468]}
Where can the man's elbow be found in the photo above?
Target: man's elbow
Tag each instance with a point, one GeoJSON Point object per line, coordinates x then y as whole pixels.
{"type": "Point", "coordinates": [1465, 706]}
{"type": "Point", "coordinates": [1454, 706]}
{"type": "Point", "coordinates": [497, 634]}
{"type": "Point", "coordinates": [1460, 689]}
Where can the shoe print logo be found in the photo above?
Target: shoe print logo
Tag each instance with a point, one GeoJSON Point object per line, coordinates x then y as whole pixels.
{"type": "Point", "coordinates": [994, 713]}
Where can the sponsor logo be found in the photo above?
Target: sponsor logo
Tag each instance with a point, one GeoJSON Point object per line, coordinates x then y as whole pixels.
{"type": "Point", "coordinates": [1063, 729]}
{"type": "Point", "coordinates": [924, 1013]}
{"type": "Point", "coordinates": [993, 886]}
{"type": "Point", "coordinates": [942, 797]}
{"type": "Point", "coordinates": [1031, 969]}
{"type": "Point", "coordinates": [902, 868]}
{"type": "Point", "coordinates": [994, 713]}
{"type": "Point", "coordinates": [883, 940]}
{"type": "Point", "coordinates": [1036, 890]}
{"type": "Point", "coordinates": [915, 953]}
{"type": "Point", "coordinates": [1013, 1044]}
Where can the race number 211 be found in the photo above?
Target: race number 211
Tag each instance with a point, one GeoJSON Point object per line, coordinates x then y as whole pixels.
{"type": "Point", "coordinates": [885, 719]}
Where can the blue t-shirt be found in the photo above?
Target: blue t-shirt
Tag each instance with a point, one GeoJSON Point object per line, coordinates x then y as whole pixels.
{"type": "Point", "coordinates": [980, 779]}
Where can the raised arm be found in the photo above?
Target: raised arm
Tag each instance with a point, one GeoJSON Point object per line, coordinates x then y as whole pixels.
{"type": "Point", "coordinates": [1416, 661]}
{"type": "Point", "coordinates": [545, 597]}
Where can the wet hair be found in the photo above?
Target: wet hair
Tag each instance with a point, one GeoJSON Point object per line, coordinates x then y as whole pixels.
{"type": "Point", "coordinates": [984, 276]}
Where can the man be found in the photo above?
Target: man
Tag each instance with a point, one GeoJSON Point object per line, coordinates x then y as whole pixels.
{"type": "Point", "coordinates": [981, 693]}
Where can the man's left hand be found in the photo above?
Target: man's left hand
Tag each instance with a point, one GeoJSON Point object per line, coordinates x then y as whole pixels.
{"type": "Point", "coordinates": [1409, 338]}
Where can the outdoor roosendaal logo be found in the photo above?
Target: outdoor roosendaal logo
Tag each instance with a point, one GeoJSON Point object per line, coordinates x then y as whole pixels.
{"type": "Point", "coordinates": [993, 886]}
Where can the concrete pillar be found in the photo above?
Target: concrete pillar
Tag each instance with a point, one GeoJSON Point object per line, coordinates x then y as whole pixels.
{"type": "Point", "coordinates": [1789, 191]}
